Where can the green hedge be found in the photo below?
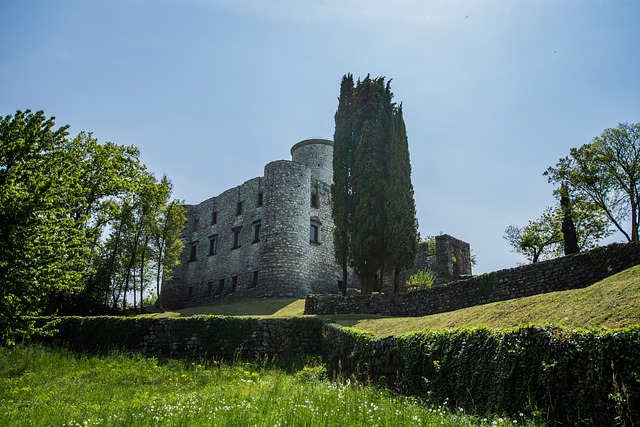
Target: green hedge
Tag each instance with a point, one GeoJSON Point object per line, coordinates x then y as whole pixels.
{"type": "Point", "coordinates": [564, 376]}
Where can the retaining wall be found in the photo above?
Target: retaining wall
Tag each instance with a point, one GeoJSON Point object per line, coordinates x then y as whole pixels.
{"type": "Point", "coordinates": [559, 274]}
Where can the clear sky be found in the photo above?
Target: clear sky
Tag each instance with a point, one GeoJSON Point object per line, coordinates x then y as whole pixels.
{"type": "Point", "coordinates": [210, 91]}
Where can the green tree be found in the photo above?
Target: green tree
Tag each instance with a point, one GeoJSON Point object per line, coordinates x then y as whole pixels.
{"type": "Point", "coordinates": [42, 249]}
{"type": "Point", "coordinates": [169, 245]}
{"type": "Point", "coordinates": [372, 181]}
{"type": "Point", "coordinates": [402, 227]}
{"type": "Point", "coordinates": [342, 187]}
{"type": "Point", "coordinates": [607, 173]}
{"type": "Point", "coordinates": [537, 240]}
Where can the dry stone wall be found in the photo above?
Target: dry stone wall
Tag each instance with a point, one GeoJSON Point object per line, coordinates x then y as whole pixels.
{"type": "Point", "coordinates": [569, 272]}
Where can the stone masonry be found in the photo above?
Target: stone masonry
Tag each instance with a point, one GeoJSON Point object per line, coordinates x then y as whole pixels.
{"type": "Point", "coordinates": [269, 237]}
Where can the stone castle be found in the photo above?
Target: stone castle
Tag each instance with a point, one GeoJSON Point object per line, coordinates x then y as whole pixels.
{"type": "Point", "coordinates": [273, 237]}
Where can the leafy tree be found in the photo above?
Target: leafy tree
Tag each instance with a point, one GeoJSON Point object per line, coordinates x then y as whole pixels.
{"type": "Point", "coordinates": [607, 173]}
{"type": "Point", "coordinates": [42, 249]}
{"type": "Point", "coordinates": [537, 240]}
{"type": "Point", "coordinates": [168, 243]}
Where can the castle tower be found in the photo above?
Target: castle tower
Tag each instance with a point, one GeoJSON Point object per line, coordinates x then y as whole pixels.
{"type": "Point", "coordinates": [317, 155]}
{"type": "Point", "coordinates": [285, 228]}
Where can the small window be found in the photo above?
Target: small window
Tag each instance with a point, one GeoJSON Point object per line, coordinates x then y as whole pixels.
{"type": "Point", "coordinates": [256, 233]}
{"type": "Point", "coordinates": [213, 245]}
{"type": "Point", "coordinates": [315, 200]}
{"type": "Point", "coordinates": [196, 224]}
{"type": "Point", "coordinates": [234, 283]}
{"type": "Point", "coordinates": [314, 233]}
{"type": "Point", "coordinates": [235, 236]}
{"type": "Point", "coordinates": [190, 293]}
{"type": "Point", "coordinates": [220, 287]}
{"type": "Point", "coordinates": [214, 217]}
{"type": "Point", "coordinates": [254, 279]}
{"type": "Point", "coordinates": [193, 251]}
{"type": "Point", "coordinates": [260, 199]}
{"type": "Point", "coordinates": [209, 289]}
{"type": "Point", "coordinates": [239, 208]}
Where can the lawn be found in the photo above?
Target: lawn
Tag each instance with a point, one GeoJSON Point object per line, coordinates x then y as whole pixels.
{"type": "Point", "coordinates": [54, 387]}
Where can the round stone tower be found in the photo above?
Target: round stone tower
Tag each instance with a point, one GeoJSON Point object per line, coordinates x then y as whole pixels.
{"type": "Point", "coordinates": [317, 155]}
{"type": "Point", "coordinates": [285, 227]}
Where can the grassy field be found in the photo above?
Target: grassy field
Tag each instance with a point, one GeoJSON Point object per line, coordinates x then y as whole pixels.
{"type": "Point", "coordinates": [54, 387]}
{"type": "Point", "coordinates": [613, 302]}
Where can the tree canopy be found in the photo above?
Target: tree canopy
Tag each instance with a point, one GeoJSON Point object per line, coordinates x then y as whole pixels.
{"type": "Point", "coordinates": [59, 197]}
{"type": "Point", "coordinates": [607, 173]}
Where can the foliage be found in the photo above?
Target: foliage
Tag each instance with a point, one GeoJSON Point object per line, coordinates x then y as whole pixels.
{"type": "Point", "coordinates": [373, 206]}
{"type": "Point", "coordinates": [59, 197]}
{"type": "Point", "coordinates": [401, 231]}
{"type": "Point", "coordinates": [341, 189]}
{"type": "Point", "coordinates": [43, 244]}
{"type": "Point", "coordinates": [421, 279]}
{"type": "Point", "coordinates": [563, 376]}
{"type": "Point", "coordinates": [40, 386]}
{"type": "Point", "coordinates": [537, 240]}
{"type": "Point", "coordinates": [607, 173]}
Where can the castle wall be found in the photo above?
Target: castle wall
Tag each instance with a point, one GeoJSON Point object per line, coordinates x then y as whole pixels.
{"type": "Point", "coordinates": [256, 239]}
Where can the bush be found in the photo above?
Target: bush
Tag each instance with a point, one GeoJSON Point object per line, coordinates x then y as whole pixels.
{"type": "Point", "coordinates": [420, 280]}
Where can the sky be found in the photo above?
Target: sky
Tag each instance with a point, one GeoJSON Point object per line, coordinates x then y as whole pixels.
{"type": "Point", "coordinates": [210, 91]}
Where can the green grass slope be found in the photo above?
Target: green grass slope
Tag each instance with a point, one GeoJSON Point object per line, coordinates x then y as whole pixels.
{"type": "Point", "coordinates": [613, 302]}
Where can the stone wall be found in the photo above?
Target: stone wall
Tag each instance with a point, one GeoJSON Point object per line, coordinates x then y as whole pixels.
{"type": "Point", "coordinates": [199, 336]}
{"type": "Point", "coordinates": [569, 272]}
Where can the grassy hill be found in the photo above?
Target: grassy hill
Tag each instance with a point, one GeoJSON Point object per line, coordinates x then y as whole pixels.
{"type": "Point", "coordinates": [613, 302]}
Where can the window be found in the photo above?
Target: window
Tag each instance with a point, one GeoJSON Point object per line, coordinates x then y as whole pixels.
{"type": "Point", "coordinates": [314, 233]}
{"type": "Point", "coordinates": [239, 208]}
{"type": "Point", "coordinates": [235, 236]}
{"type": "Point", "coordinates": [214, 217]}
{"type": "Point", "coordinates": [213, 244]}
{"type": "Point", "coordinates": [209, 289]}
{"type": "Point", "coordinates": [254, 279]}
{"type": "Point", "coordinates": [220, 286]}
{"type": "Point", "coordinates": [193, 250]}
{"type": "Point", "coordinates": [234, 283]}
{"type": "Point", "coordinates": [190, 293]}
{"type": "Point", "coordinates": [196, 224]}
{"type": "Point", "coordinates": [256, 233]}
{"type": "Point", "coordinates": [260, 198]}
{"type": "Point", "coordinates": [315, 200]}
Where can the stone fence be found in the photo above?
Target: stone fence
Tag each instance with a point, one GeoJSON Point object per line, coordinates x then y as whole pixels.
{"type": "Point", "coordinates": [559, 274]}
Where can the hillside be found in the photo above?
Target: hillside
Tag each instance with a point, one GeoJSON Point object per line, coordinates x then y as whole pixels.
{"type": "Point", "coordinates": [613, 302]}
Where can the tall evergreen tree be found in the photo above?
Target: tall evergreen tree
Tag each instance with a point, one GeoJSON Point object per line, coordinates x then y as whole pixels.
{"type": "Point", "coordinates": [570, 237]}
{"type": "Point", "coordinates": [402, 227]}
{"type": "Point", "coordinates": [342, 188]}
{"type": "Point", "coordinates": [364, 169]}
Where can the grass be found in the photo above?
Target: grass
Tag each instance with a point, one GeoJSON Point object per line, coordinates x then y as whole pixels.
{"type": "Point", "coordinates": [54, 387]}
{"type": "Point", "coordinates": [613, 302]}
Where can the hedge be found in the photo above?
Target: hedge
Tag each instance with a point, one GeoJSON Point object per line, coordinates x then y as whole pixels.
{"type": "Point", "coordinates": [568, 377]}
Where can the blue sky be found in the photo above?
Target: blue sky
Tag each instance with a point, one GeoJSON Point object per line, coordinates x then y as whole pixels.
{"type": "Point", "coordinates": [210, 91]}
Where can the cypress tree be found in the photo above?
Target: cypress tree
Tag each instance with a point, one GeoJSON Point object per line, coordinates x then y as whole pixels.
{"type": "Point", "coordinates": [372, 192]}
{"type": "Point", "coordinates": [569, 234]}
{"type": "Point", "coordinates": [402, 226]}
{"type": "Point", "coordinates": [342, 187]}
